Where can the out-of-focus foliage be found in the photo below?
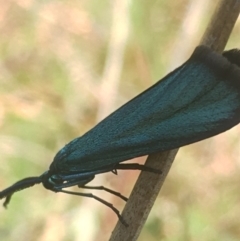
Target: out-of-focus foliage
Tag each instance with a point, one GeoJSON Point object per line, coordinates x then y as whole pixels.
{"type": "Point", "coordinates": [53, 65]}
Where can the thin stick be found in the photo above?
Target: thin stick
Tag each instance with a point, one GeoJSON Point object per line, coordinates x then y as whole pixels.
{"type": "Point", "coordinates": [221, 25]}
{"type": "Point", "coordinates": [148, 185]}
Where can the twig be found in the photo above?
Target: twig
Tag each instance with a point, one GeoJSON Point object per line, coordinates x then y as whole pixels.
{"type": "Point", "coordinates": [148, 186]}
{"type": "Point", "coordinates": [221, 24]}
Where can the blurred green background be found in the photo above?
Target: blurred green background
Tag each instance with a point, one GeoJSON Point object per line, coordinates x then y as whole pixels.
{"type": "Point", "coordinates": [64, 66]}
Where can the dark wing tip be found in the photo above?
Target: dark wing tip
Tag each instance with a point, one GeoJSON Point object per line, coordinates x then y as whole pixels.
{"type": "Point", "coordinates": [224, 65]}
{"type": "Point", "coordinates": [233, 56]}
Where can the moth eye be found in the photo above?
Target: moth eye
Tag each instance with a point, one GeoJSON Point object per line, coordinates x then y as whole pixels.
{"type": "Point", "coordinates": [55, 180]}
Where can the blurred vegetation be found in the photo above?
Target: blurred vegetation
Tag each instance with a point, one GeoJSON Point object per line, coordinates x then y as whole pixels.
{"type": "Point", "coordinates": [55, 84]}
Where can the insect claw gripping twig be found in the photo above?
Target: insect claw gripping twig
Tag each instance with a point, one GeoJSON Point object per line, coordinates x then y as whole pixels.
{"type": "Point", "coordinates": [113, 208]}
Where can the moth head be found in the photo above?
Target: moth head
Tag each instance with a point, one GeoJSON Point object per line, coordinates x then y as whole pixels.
{"type": "Point", "coordinates": [57, 182]}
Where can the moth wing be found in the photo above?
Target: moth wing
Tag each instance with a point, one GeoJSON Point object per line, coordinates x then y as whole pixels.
{"type": "Point", "coordinates": [199, 99]}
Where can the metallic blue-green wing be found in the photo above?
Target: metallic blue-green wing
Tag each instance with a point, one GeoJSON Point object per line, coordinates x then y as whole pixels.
{"type": "Point", "coordinates": [198, 100]}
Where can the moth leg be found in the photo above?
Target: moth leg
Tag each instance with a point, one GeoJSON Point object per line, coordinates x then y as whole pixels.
{"type": "Point", "coordinates": [90, 195]}
{"type": "Point", "coordinates": [136, 166]}
{"type": "Point", "coordinates": [107, 190]}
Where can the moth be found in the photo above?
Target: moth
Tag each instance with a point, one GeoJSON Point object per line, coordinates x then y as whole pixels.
{"type": "Point", "coordinates": [198, 100]}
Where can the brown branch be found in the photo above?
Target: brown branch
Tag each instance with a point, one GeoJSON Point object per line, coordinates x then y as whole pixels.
{"type": "Point", "coordinates": [148, 185]}
{"type": "Point", "coordinates": [221, 25]}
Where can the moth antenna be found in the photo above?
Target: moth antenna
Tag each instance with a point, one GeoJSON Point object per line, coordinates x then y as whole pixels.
{"type": "Point", "coordinates": [18, 186]}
